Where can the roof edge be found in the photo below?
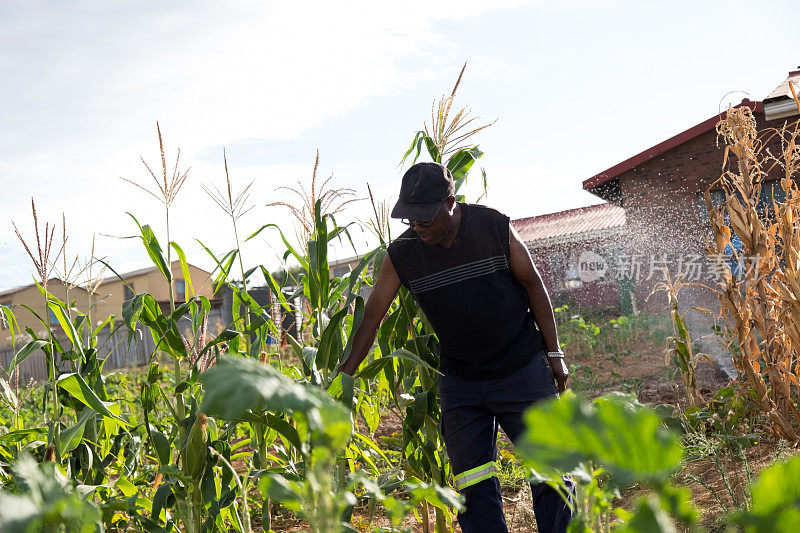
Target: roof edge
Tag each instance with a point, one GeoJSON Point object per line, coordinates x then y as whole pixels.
{"type": "Point", "coordinates": [573, 210]}
{"type": "Point", "coordinates": [664, 146]}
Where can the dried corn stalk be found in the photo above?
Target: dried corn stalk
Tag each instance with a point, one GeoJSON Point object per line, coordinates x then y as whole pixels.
{"type": "Point", "coordinates": [762, 308]}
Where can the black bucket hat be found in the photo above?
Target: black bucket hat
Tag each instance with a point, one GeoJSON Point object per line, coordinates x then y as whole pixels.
{"type": "Point", "coordinates": [424, 187]}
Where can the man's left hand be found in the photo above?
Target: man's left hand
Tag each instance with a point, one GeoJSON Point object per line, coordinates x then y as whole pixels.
{"type": "Point", "coordinates": [560, 372]}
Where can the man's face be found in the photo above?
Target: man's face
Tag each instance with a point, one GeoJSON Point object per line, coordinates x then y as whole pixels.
{"type": "Point", "coordinates": [434, 231]}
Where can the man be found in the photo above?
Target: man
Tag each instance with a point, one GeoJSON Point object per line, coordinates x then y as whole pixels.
{"type": "Point", "coordinates": [473, 277]}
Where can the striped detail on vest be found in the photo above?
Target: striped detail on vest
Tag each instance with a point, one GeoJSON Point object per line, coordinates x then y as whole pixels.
{"type": "Point", "coordinates": [475, 269]}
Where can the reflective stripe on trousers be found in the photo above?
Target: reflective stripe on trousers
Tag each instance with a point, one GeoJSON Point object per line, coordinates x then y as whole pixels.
{"type": "Point", "coordinates": [476, 475]}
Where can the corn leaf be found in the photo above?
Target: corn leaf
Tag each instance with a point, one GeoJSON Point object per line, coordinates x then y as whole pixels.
{"type": "Point", "coordinates": [154, 249]}
{"type": "Point", "coordinates": [187, 277]}
{"type": "Point", "coordinates": [77, 386]}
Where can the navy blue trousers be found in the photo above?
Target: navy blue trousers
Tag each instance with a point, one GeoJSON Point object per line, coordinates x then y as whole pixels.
{"type": "Point", "coordinates": [472, 411]}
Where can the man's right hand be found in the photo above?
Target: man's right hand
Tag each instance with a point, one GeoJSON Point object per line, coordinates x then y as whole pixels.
{"type": "Point", "coordinates": [560, 373]}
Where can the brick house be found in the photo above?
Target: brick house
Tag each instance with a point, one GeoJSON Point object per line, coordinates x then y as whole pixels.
{"type": "Point", "coordinates": [661, 190]}
{"type": "Point", "coordinates": [573, 250]}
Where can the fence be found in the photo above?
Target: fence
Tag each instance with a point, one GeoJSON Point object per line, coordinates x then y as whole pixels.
{"type": "Point", "coordinates": [112, 347]}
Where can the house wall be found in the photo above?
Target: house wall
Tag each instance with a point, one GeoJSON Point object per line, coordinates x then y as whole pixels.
{"type": "Point", "coordinates": [32, 297]}
{"type": "Point", "coordinates": [111, 295]}
{"type": "Point", "coordinates": [106, 301]}
{"type": "Point", "coordinates": [601, 295]}
{"type": "Point", "coordinates": [664, 216]}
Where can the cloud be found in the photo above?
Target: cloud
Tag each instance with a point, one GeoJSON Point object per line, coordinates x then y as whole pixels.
{"type": "Point", "coordinates": [90, 78]}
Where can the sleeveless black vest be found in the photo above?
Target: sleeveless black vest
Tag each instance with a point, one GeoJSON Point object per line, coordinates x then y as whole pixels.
{"type": "Point", "coordinates": [479, 311]}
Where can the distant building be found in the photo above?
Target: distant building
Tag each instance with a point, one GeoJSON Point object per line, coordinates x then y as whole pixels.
{"type": "Point", "coordinates": [31, 297]}
{"type": "Point", "coordinates": [574, 251]}
{"type": "Point", "coordinates": [661, 190]}
{"type": "Point", "coordinates": [108, 299]}
{"type": "Point", "coordinates": [342, 267]}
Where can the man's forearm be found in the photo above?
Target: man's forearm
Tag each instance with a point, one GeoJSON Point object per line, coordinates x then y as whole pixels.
{"type": "Point", "coordinates": [543, 314]}
{"type": "Point", "coordinates": [362, 342]}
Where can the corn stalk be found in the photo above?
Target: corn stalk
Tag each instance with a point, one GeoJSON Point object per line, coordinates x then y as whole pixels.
{"type": "Point", "coordinates": [679, 346]}
{"type": "Point", "coordinates": [762, 309]}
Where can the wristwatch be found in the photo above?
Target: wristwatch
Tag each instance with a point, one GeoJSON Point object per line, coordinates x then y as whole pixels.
{"type": "Point", "coordinates": [556, 355]}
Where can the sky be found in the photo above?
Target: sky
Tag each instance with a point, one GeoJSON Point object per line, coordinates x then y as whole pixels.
{"type": "Point", "coordinates": [575, 86]}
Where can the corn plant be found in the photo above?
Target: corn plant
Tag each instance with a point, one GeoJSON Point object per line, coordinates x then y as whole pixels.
{"type": "Point", "coordinates": [239, 389]}
{"type": "Point", "coordinates": [761, 310]}
{"type": "Point", "coordinates": [679, 346]}
{"type": "Point", "coordinates": [46, 502]}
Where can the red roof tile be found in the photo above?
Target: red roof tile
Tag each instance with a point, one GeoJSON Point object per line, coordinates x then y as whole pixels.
{"type": "Point", "coordinates": [571, 222]}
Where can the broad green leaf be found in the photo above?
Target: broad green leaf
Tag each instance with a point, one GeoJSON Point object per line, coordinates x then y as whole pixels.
{"type": "Point", "coordinates": [187, 278]}
{"type": "Point", "coordinates": [375, 367]}
{"type": "Point", "coordinates": [415, 413]}
{"type": "Point", "coordinates": [106, 322]}
{"type": "Point", "coordinates": [160, 499]}
{"type": "Point", "coordinates": [110, 425]}
{"type": "Point", "coordinates": [330, 343]}
{"type": "Point", "coordinates": [224, 336]}
{"type": "Point", "coordinates": [63, 320]}
{"type": "Point", "coordinates": [289, 248]}
{"type": "Point", "coordinates": [358, 316]}
{"type": "Point", "coordinates": [282, 490]}
{"type": "Point", "coordinates": [629, 443]}
{"type": "Point", "coordinates": [776, 500]}
{"type": "Point", "coordinates": [161, 445]}
{"type": "Point", "coordinates": [433, 151]}
{"type": "Point", "coordinates": [438, 496]}
{"type": "Point", "coordinates": [71, 436]}
{"type": "Point", "coordinates": [285, 429]}
{"type": "Point", "coordinates": [44, 502]}
{"type": "Point", "coordinates": [154, 249]}
{"type": "Point", "coordinates": [343, 387]}
{"type": "Point", "coordinates": [126, 487]}
{"type": "Point", "coordinates": [77, 386]}
{"type": "Point", "coordinates": [649, 517]}
{"type": "Point", "coordinates": [224, 265]}
{"type": "Point", "coordinates": [416, 142]}
{"type": "Point", "coordinates": [461, 162]}
{"type": "Point", "coordinates": [87, 490]}
{"type": "Point", "coordinates": [131, 310]}
{"type": "Point", "coordinates": [21, 434]}
{"type": "Point", "coordinates": [237, 385]}
{"type": "Point", "coordinates": [10, 321]}
{"type": "Point", "coordinates": [276, 289]}
{"type": "Point", "coordinates": [26, 352]}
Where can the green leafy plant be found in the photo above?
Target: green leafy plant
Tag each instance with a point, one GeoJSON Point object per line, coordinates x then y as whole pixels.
{"type": "Point", "coordinates": [679, 346]}
{"type": "Point", "coordinates": [45, 501]}
{"type": "Point", "coordinates": [606, 445]}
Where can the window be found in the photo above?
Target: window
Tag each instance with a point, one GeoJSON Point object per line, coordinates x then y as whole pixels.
{"type": "Point", "coordinates": [771, 191]}
{"type": "Point", "coordinates": [572, 277]}
{"type": "Point", "coordinates": [53, 319]}
{"type": "Point", "coordinates": [565, 272]}
{"type": "Point", "coordinates": [180, 290]}
{"type": "Point", "coordinates": [129, 293]}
